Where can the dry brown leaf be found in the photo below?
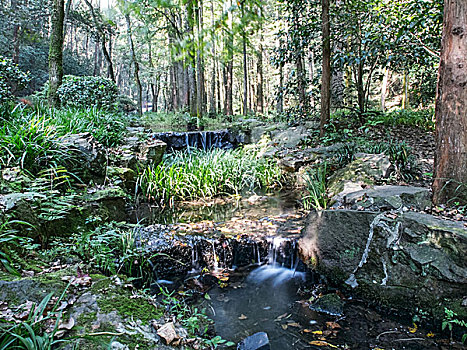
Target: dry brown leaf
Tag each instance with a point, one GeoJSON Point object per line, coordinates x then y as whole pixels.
{"type": "Point", "coordinates": [333, 325]}
{"type": "Point", "coordinates": [242, 317]}
{"type": "Point", "coordinates": [321, 343]}
{"type": "Point", "coordinates": [293, 324]}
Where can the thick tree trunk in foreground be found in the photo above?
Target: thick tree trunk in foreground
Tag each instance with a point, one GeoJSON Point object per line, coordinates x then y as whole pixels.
{"type": "Point", "coordinates": [451, 107]}
{"type": "Point", "coordinates": [56, 52]}
{"type": "Point", "coordinates": [326, 74]}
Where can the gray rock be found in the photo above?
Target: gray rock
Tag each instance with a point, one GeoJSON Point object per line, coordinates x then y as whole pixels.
{"type": "Point", "coordinates": [364, 171]}
{"type": "Point", "coordinates": [330, 304]}
{"type": "Point", "coordinates": [152, 152]}
{"type": "Point", "coordinates": [402, 260]}
{"type": "Point", "coordinates": [89, 156]}
{"type": "Point", "coordinates": [290, 137]}
{"type": "Point", "coordinates": [257, 341]}
{"type": "Point", "coordinates": [389, 197]}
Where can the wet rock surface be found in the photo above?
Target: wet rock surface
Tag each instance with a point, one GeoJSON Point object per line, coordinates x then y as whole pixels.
{"type": "Point", "coordinates": [205, 140]}
{"type": "Point", "coordinates": [257, 341]}
{"type": "Point", "coordinates": [403, 260]}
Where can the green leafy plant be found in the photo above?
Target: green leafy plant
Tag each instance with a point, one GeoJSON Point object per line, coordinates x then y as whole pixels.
{"type": "Point", "coordinates": [450, 320]}
{"type": "Point", "coordinates": [12, 79]}
{"type": "Point", "coordinates": [199, 174]}
{"type": "Point", "coordinates": [34, 333]}
{"type": "Point", "coordinates": [87, 91]}
{"type": "Point", "coordinates": [10, 244]}
{"type": "Point", "coordinates": [316, 188]}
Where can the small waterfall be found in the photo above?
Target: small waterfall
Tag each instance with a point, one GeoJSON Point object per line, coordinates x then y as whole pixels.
{"type": "Point", "coordinates": [214, 257]}
{"type": "Point", "coordinates": [282, 265]}
{"type": "Point", "coordinates": [205, 140]}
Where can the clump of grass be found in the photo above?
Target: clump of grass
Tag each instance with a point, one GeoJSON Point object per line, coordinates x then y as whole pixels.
{"type": "Point", "coordinates": [316, 188]}
{"type": "Point", "coordinates": [200, 174]}
{"type": "Point", "coordinates": [32, 138]}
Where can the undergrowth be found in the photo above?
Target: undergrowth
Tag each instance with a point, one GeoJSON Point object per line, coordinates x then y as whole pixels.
{"type": "Point", "coordinates": [32, 138]}
{"type": "Point", "coordinates": [197, 174]}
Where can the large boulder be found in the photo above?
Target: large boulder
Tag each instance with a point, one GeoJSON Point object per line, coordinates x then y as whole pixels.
{"type": "Point", "coordinates": [364, 171]}
{"type": "Point", "coordinates": [405, 260]}
{"type": "Point", "coordinates": [88, 158]}
{"type": "Point", "coordinates": [388, 198]}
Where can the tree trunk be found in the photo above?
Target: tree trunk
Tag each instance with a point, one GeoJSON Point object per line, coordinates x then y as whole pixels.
{"type": "Point", "coordinates": [280, 97]}
{"type": "Point", "coordinates": [102, 40]}
{"type": "Point", "coordinates": [16, 34]}
{"type": "Point", "coordinates": [56, 52]}
{"type": "Point", "coordinates": [405, 95]}
{"type": "Point", "coordinates": [190, 20]}
{"type": "Point", "coordinates": [326, 74]}
{"type": "Point", "coordinates": [200, 86]}
{"type": "Point", "coordinates": [228, 68]}
{"type": "Point", "coordinates": [384, 87]}
{"type": "Point", "coordinates": [135, 65]}
{"type": "Point", "coordinates": [259, 67]}
{"type": "Point", "coordinates": [212, 98]}
{"type": "Point", "coordinates": [450, 175]}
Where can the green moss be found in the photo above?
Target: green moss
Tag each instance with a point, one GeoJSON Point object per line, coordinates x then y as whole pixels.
{"type": "Point", "coordinates": [138, 308]}
{"type": "Point", "coordinates": [86, 319]}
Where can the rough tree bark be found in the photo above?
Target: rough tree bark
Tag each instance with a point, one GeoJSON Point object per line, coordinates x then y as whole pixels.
{"type": "Point", "coordinates": [451, 107]}
{"type": "Point", "coordinates": [326, 74]}
{"type": "Point", "coordinates": [56, 52]}
{"type": "Point", "coordinates": [135, 65]}
{"type": "Point", "coordinates": [102, 38]}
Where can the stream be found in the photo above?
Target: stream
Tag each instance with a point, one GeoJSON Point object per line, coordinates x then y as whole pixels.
{"type": "Point", "coordinates": [269, 289]}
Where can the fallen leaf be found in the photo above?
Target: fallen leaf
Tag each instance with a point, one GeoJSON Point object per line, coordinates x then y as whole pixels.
{"type": "Point", "coordinates": [242, 317]}
{"type": "Point", "coordinates": [284, 326]}
{"type": "Point", "coordinates": [430, 335]}
{"type": "Point", "coordinates": [333, 325]}
{"type": "Point", "coordinates": [293, 324]}
{"type": "Point", "coordinates": [317, 332]}
{"type": "Point", "coordinates": [67, 325]}
{"type": "Point", "coordinates": [168, 333]}
{"type": "Point", "coordinates": [322, 343]}
{"type": "Point", "coordinates": [413, 329]}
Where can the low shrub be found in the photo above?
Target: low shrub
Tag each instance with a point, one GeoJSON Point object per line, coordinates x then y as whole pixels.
{"type": "Point", "coordinates": [423, 118]}
{"type": "Point", "coordinates": [200, 174]}
{"type": "Point", "coordinates": [12, 79]}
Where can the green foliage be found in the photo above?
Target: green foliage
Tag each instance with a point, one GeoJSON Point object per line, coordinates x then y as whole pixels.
{"type": "Point", "coordinates": [32, 139]}
{"type": "Point", "coordinates": [11, 245]}
{"type": "Point", "coordinates": [12, 79]}
{"type": "Point", "coordinates": [114, 249]}
{"type": "Point", "coordinates": [199, 174]}
{"type": "Point", "coordinates": [192, 319]}
{"type": "Point", "coordinates": [181, 120]}
{"type": "Point", "coordinates": [450, 320]}
{"type": "Point", "coordinates": [423, 118]}
{"type": "Point", "coordinates": [38, 331]}
{"type": "Point", "coordinates": [86, 91]}
{"type": "Point", "coordinates": [316, 188]}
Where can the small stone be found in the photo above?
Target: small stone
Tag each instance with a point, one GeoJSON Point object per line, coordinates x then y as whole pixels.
{"type": "Point", "coordinates": [168, 333]}
{"type": "Point", "coordinates": [330, 304]}
{"type": "Point", "coordinates": [257, 341]}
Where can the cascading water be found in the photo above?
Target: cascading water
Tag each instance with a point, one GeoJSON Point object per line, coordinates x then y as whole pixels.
{"type": "Point", "coordinates": [277, 270]}
{"type": "Point", "coordinates": [205, 140]}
